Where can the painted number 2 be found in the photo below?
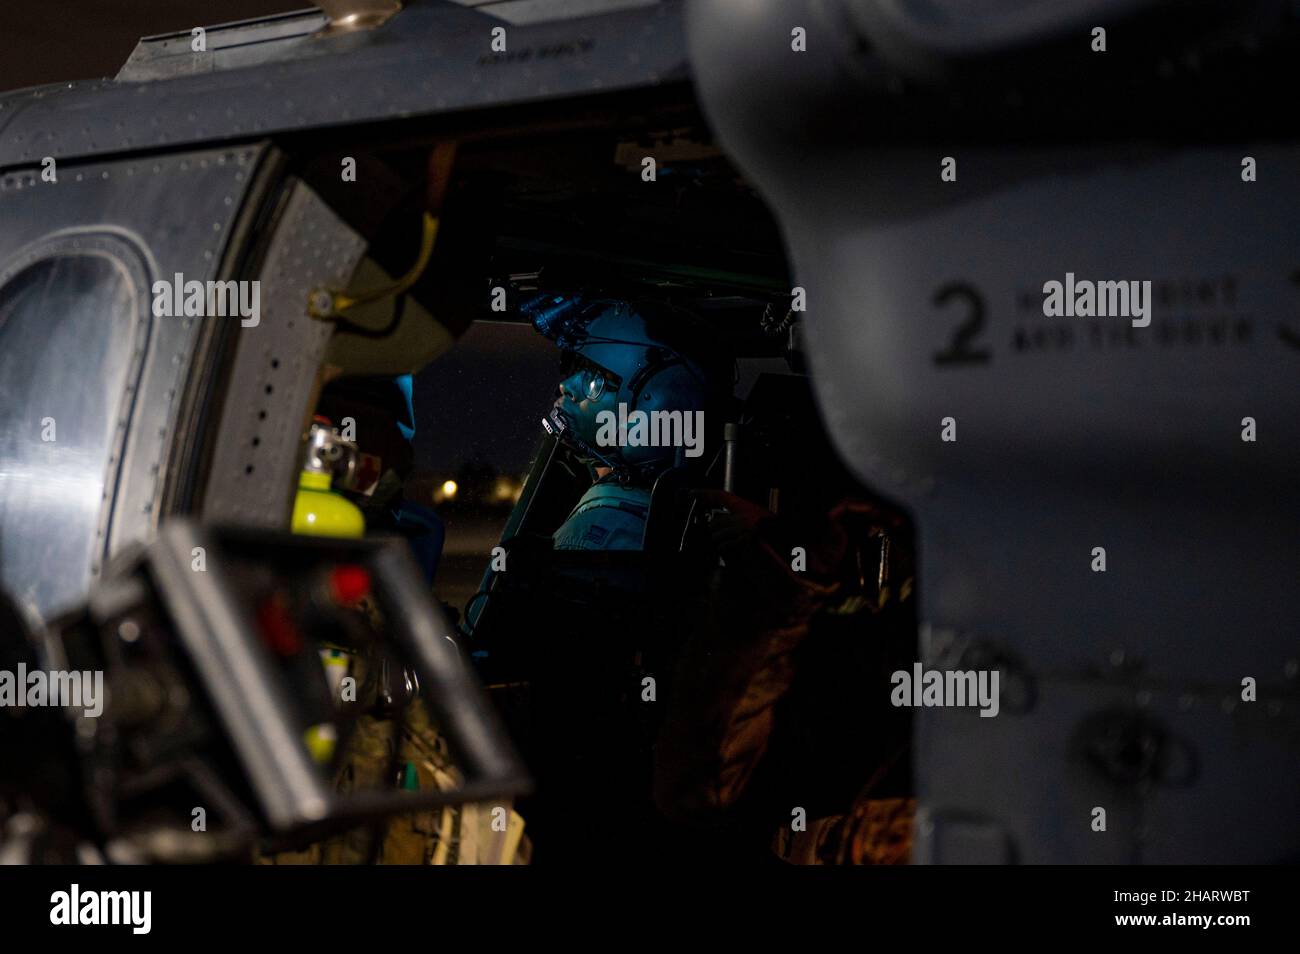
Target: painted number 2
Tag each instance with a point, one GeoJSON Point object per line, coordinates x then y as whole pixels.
{"type": "Point", "coordinates": [961, 348]}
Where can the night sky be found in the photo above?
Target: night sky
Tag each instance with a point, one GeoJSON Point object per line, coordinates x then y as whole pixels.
{"type": "Point", "coordinates": [55, 40]}
{"type": "Point", "coordinates": [485, 399]}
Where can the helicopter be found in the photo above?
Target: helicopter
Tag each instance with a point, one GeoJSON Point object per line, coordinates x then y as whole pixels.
{"type": "Point", "coordinates": [864, 199]}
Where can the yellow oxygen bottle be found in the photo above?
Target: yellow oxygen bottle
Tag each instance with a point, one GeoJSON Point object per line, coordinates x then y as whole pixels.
{"type": "Point", "coordinates": [317, 509]}
{"type": "Point", "coordinates": [320, 511]}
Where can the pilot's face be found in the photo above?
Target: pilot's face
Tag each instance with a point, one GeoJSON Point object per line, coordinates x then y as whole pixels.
{"type": "Point", "coordinates": [587, 390]}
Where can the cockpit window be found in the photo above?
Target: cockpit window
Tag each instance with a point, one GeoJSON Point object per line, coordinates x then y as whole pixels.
{"type": "Point", "coordinates": [67, 336]}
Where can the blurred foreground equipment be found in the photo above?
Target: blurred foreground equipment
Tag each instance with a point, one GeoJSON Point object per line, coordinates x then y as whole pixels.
{"type": "Point", "coordinates": [241, 670]}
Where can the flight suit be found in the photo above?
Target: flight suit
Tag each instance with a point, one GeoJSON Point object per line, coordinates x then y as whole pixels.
{"type": "Point", "coordinates": [608, 516]}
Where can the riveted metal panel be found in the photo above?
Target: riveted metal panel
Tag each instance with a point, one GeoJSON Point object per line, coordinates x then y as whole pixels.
{"type": "Point", "coordinates": [161, 216]}
{"type": "Point", "coordinates": [428, 59]}
{"type": "Point", "coordinates": [271, 387]}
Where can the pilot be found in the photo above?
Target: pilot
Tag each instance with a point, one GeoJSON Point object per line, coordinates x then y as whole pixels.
{"type": "Point", "coordinates": [624, 362]}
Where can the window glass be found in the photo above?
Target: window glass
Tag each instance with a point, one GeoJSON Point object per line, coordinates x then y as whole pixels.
{"type": "Point", "coordinates": [67, 330]}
